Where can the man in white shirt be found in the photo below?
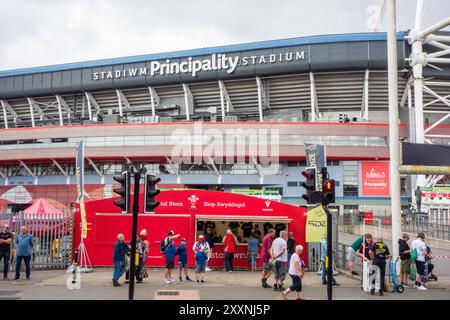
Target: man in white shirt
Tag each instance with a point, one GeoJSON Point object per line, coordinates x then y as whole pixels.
{"type": "Point", "coordinates": [279, 253]}
{"type": "Point", "coordinates": [421, 248]}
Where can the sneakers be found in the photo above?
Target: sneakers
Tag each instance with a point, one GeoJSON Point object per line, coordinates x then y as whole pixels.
{"type": "Point", "coordinates": [381, 293]}
{"type": "Point", "coordinates": [265, 285]}
{"type": "Point", "coordinates": [372, 292]}
{"type": "Point", "coordinates": [5, 278]}
{"type": "Point", "coordinates": [336, 284]}
{"type": "Point", "coordinates": [116, 283]}
{"type": "Point", "coordinates": [275, 287]}
{"type": "Point", "coordinates": [355, 273]}
{"type": "Point", "coordinates": [202, 281]}
{"type": "Point", "coordinates": [324, 283]}
{"type": "Point", "coordinates": [181, 279]}
{"type": "Point", "coordinates": [281, 288]}
{"type": "Point", "coordinates": [167, 281]}
{"type": "Point", "coordinates": [208, 269]}
{"type": "Point", "coordinates": [188, 279]}
{"type": "Point", "coordinates": [421, 288]}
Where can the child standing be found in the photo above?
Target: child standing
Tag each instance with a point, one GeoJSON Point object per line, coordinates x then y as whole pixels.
{"type": "Point", "coordinates": [201, 249]}
{"type": "Point", "coordinates": [182, 260]}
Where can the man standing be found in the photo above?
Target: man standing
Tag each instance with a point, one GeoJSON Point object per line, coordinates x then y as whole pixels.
{"type": "Point", "coordinates": [120, 250]}
{"type": "Point", "coordinates": [420, 249]}
{"type": "Point", "coordinates": [380, 253]}
{"type": "Point", "coordinates": [279, 253]}
{"type": "Point", "coordinates": [266, 256]}
{"type": "Point", "coordinates": [229, 245]}
{"type": "Point", "coordinates": [405, 257]}
{"type": "Point", "coordinates": [170, 253]}
{"type": "Point", "coordinates": [290, 245]}
{"type": "Point", "coordinates": [323, 258]}
{"type": "Point", "coordinates": [5, 249]}
{"type": "Point", "coordinates": [209, 240]}
{"type": "Point", "coordinates": [24, 245]}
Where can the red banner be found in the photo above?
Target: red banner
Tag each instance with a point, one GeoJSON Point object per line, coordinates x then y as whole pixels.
{"type": "Point", "coordinates": [375, 179]}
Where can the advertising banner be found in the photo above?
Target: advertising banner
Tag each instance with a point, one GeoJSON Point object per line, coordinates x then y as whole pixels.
{"type": "Point", "coordinates": [375, 179]}
{"type": "Point", "coordinates": [80, 186]}
{"type": "Point", "coordinates": [316, 224]}
{"type": "Point", "coordinates": [315, 155]}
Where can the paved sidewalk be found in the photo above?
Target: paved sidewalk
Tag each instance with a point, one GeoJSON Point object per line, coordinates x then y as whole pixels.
{"type": "Point", "coordinates": [239, 285]}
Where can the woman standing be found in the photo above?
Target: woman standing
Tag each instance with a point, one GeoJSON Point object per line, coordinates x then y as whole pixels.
{"type": "Point", "coordinates": [229, 244]}
{"type": "Point", "coordinates": [253, 247]}
{"type": "Point", "coordinates": [296, 272]}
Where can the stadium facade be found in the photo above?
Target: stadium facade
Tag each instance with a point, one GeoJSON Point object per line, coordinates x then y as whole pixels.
{"type": "Point", "coordinates": [322, 89]}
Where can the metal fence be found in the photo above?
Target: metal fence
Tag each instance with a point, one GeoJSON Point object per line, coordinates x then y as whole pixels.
{"type": "Point", "coordinates": [433, 228]}
{"type": "Point", "coordinates": [339, 257]}
{"type": "Point", "coordinates": [52, 238]}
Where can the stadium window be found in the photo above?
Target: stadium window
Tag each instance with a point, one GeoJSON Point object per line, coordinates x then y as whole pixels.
{"type": "Point", "coordinates": [292, 184]}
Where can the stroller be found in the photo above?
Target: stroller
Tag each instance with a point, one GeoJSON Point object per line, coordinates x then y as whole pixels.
{"type": "Point", "coordinates": [429, 267]}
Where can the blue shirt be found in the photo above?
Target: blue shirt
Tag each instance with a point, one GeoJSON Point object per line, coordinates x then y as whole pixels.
{"type": "Point", "coordinates": [182, 253]}
{"type": "Point", "coordinates": [171, 251]}
{"type": "Point", "coordinates": [253, 245]}
{"type": "Point", "coordinates": [201, 257]}
{"type": "Point", "coordinates": [24, 245]}
{"type": "Point", "coordinates": [323, 248]}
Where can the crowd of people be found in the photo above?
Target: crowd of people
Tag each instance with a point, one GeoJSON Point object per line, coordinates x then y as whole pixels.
{"type": "Point", "coordinates": [415, 256]}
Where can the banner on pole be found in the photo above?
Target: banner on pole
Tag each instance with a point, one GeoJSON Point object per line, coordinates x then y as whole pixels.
{"type": "Point", "coordinates": [315, 155]}
{"type": "Point", "coordinates": [316, 224]}
{"type": "Point", "coordinates": [80, 186]}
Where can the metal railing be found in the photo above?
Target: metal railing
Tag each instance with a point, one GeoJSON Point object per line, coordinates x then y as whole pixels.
{"type": "Point", "coordinates": [52, 239]}
{"type": "Point", "coordinates": [433, 228]}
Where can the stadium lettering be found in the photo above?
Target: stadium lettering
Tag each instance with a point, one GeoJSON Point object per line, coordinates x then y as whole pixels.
{"type": "Point", "coordinates": [195, 66]}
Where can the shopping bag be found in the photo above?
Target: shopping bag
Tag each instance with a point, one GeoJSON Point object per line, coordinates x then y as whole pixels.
{"type": "Point", "coordinates": [412, 272]}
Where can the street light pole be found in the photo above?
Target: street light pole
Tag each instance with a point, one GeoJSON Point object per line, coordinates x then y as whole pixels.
{"type": "Point", "coordinates": [394, 143]}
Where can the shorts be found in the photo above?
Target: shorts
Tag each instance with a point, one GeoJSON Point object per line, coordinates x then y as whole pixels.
{"type": "Point", "coordinates": [170, 263]}
{"type": "Point", "coordinates": [296, 283]}
{"type": "Point", "coordinates": [200, 268]}
{"type": "Point", "coordinates": [280, 270]}
{"type": "Point", "coordinates": [182, 264]}
{"type": "Point", "coordinates": [405, 266]}
{"type": "Point", "coordinates": [350, 254]}
{"type": "Point", "coordinates": [267, 266]}
{"type": "Point", "coordinates": [420, 266]}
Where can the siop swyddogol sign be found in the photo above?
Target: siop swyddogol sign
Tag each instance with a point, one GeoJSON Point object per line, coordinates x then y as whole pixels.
{"type": "Point", "coordinates": [193, 66]}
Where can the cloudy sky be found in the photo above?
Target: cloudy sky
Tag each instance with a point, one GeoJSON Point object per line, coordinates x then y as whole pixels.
{"type": "Point", "coordinates": [44, 32]}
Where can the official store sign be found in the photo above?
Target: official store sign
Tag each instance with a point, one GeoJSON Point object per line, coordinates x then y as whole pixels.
{"type": "Point", "coordinates": [375, 179]}
{"type": "Point", "coordinates": [193, 66]}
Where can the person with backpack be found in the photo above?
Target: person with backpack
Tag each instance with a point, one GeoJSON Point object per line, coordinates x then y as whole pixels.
{"type": "Point", "coordinates": [201, 249]}
{"type": "Point", "coordinates": [418, 253]}
{"type": "Point", "coordinates": [405, 258]}
{"type": "Point", "coordinates": [169, 250]}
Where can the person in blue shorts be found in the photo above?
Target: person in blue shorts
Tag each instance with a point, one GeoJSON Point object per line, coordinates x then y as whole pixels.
{"type": "Point", "coordinates": [182, 260]}
{"type": "Point", "coordinates": [201, 248]}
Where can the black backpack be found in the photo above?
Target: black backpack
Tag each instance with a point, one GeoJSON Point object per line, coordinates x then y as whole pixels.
{"type": "Point", "coordinates": [163, 245]}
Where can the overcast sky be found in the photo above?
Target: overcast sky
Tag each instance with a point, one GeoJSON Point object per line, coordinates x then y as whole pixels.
{"type": "Point", "coordinates": [45, 32]}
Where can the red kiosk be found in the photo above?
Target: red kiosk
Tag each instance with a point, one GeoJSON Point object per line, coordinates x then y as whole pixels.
{"type": "Point", "coordinates": [189, 213]}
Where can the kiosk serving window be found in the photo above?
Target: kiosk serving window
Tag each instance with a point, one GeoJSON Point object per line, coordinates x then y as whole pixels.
{"type": "Point", "coordinates": [241, 226]}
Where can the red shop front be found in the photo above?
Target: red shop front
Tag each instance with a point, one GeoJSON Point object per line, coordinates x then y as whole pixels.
{"type": "Point", "coordinates": [189, 213]}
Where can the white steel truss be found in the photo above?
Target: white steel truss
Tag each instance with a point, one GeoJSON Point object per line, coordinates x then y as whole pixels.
{"type": "Point", "coordinates": [419, 59]}
{"type": "Point", "coordinates": [188, 100]}
{"type": "Point", "coordinates": [154, 100]}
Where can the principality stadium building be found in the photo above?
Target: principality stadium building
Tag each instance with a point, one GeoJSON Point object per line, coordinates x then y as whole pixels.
{"type": "Point", "coordinates": [165, 110]}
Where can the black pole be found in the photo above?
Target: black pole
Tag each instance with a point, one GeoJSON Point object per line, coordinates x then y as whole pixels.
{"type": "Point", "coordinates": [137, 181]}
{"type": "Point", "coordinates": [329, 254]}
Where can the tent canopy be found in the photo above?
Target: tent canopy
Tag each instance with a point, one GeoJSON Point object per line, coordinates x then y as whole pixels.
{"type": "Point", "coordinates": [41, 208]}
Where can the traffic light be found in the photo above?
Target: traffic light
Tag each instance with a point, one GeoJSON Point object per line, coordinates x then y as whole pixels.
{"type": "Point", "coordinates": [312, 196]}
{"type": "Point", "coordinates": [328, 191]}
{"type": "Point", "coordinates": [150, 192]}
{"type": "Point", "coordinates": [124, 191]}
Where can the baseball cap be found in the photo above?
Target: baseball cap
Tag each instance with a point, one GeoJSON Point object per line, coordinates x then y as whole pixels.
{"type": "Point", "coordinates": [183, 240]}
{"type": "Point", "coordinates": [171, 233]}
{"type": "Point", "coordinates": [201, 236]}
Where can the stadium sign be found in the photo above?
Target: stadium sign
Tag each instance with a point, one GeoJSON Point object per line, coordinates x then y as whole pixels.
{"type": "Point", "coordinates": [193, 66]}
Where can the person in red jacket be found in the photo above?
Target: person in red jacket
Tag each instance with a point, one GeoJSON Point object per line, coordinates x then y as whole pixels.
{"type": "Point", "coordinates": [229, 245]}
